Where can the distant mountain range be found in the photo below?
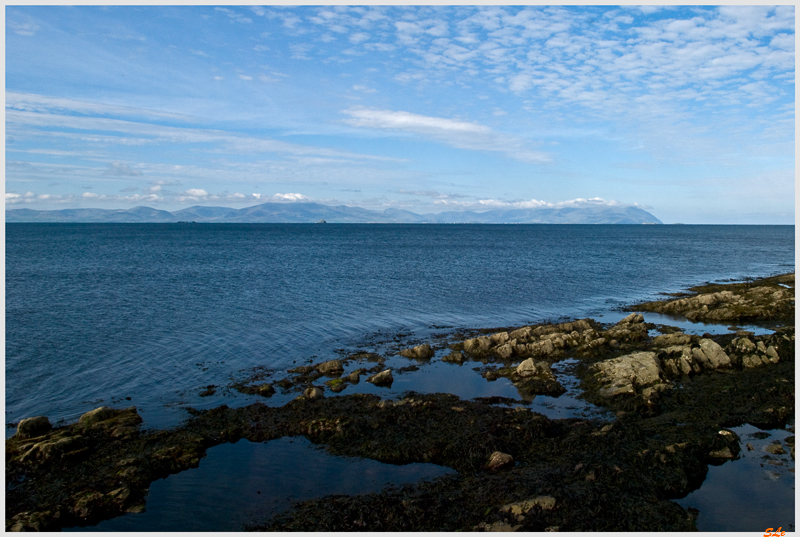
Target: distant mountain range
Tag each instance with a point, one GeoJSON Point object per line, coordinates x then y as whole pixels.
{"type": "Point", "coordinates": [301, 212]}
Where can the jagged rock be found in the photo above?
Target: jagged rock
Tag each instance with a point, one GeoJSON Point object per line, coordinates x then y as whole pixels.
{"type": "Point", "coordinates": [420, 352]}
{"type": "Point", "coordinates": [32, 427]}
{"type": "Point", "coordinates": [499, 460]}
{"type": "Point", "coordinates": [676, 338]}
{"type": "Point", "coordinates": [526, 368]}
{"type": "Point", "coordinates": [353, 377]}
{"type": "Point", "coordinates": [331, 367]}
{"type": "Point", "coordinates": [521, 334]}
{"type": "Point", "coordinates": [714, 353]}
{"type": "Point", "coordinates": [499, 338]}
{"type": "Point", "coordinates": [504, 351]}
{"type": "Point", "coordinates": [384, 378]}
{"type": "Point", "coordinates": [478, 345]}
{"type": "Point", "coordinates": [772, 354]}
{"type": "Point", "coordinates": [626, 374]}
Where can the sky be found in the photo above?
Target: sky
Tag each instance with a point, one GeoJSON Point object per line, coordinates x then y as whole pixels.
{"type": "Point", "coordinates": [686, 112]}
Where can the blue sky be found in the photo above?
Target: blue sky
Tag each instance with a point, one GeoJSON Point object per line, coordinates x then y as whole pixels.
{"type": "Point", "coordinates": [687, 112]}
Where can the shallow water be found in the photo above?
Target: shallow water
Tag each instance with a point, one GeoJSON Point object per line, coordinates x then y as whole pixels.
{"type": "Point", "coordinates": [752, 493]}
{"type": "Point", "coordinates": [262, 479]}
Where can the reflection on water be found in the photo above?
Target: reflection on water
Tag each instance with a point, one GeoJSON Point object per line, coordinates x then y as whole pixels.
{"type": "Point", "coordinates": [247, 482]}
{"type": "Point", "coordinates": [752, 493]}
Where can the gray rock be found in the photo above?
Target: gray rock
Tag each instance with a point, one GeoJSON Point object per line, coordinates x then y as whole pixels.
{"type": "Point", "coordinates": [626, 374]}
{"type": "Point", "coordinates": [384, 378]}
{"type": "Point", "coordinates": [632, 318]}
{"type": "Point", "coordinates": [716, 356]}
{"type": "Point", "coordinates": [526, 368]}
{"type": "Point", "coordinates": [331, 367]}
{"type": "Point", "coordinates": [701, 358]}
{"type": "Point", "coordinates": [751, 360]}
{"type": "Point", "coordinates": [420, 352]}
{"type": "Point", "coordinates": [33, 427]}
{"type": "Point", "coordinates": [772, 354]}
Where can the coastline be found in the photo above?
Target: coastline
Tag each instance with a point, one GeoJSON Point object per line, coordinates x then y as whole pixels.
{"type": "Point", "coordinates": [573, 474]}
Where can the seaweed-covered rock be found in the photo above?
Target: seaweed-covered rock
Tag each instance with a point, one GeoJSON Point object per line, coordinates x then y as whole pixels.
{"type": "Point", "coordinates": [32, 427]}
{"type": "Point", "coordinates": [420, 352]}
{"type": "Point", "coordinates": [331, 367]}
{"type": "Point", "coordinates": [669, 340]}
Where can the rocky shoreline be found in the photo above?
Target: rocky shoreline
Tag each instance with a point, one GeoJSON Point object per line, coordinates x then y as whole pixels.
{"type": "Point", "coordinates": [675, 397]}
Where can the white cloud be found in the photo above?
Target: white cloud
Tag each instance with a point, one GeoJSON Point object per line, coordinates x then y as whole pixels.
{"type": "Point", "coordinates": [197, 192]}
{"type": "Point", "coordinates": [386, 119]}
{"type": "Point", "coordinates": [456, 133]}
{"type": "Point", "coordinates": [289, 197]}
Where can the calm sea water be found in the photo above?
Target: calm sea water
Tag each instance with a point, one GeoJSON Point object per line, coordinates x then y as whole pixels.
{"type": "Point", "coordinates": [96, 313]}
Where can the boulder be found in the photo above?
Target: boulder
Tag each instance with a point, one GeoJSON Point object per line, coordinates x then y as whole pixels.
{"type": "Point", "coordinates": [714, 353]}
{"type": "Point", "coordinates": [632, 318]}
{"type": "Point", "coordinates": [504, 351]}
{"type": "Point", "coordinates": [627, 374]}
{"type": "Point", "coordinates": [420, 352]}
{"type": "Point", "coordinates": [751, 360]}
{"type": "Point", "coordinates": [478, 345]}
{"type": "Point", "coordinates": [32, 427]}
{"type": "Point", "coordinates": [499, 338]}
{"type": "Point", "coordinates": [526, 368]}
{"type": "Point", "coordinates": [384, 378]}
{"type": "Point", "coordinates": [331, 367]}
{"type": "Point", "coordinates": [97, 415]}
{"type": "Point", "coordinates": [499, 460]}
{"type": "Point", "coordinates": [772, 354]}
{"type": "Point", "coordinates": [353, 377]}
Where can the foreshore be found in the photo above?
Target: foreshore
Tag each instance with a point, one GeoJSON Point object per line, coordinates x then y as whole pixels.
{"type": "Point", "coordinates": [674, 397]}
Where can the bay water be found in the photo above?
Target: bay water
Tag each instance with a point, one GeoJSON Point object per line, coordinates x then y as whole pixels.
{"type": "Point", "coordinates": [149, 314]}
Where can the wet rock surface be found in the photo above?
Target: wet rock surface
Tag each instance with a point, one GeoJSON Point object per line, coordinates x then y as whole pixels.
{"type": "Point", "coordinates": [675, 396]}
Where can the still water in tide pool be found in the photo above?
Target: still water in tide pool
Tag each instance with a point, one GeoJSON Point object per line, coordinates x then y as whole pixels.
{"type": "Point", "coordinates": [99, 313]}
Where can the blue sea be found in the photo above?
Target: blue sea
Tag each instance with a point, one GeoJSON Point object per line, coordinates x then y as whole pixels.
{"type": "Point", "coordinates": [150, 314]}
